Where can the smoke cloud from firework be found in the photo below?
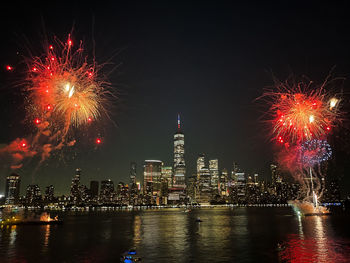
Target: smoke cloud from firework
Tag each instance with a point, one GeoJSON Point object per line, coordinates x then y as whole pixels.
{"type": "Point", "coordinates": [64, 94]}
{"type": "Point", "coordinates": [302, 115]}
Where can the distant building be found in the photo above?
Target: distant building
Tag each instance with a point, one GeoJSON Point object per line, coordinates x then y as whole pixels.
{"type": "Point", "coordinates": [107, 191]}
{"type": "Point", "coordinates": [214, 175]}
{"type": "Point", "coordinates": [152, 172]}
{"type": "Point", "coordinates": [200, 162]}
{"type": "Point", "coordinates": [167, 175]}
{"type": "Point", "coordinates": [224, 180]}
{"type": "Point", "coordinates": [74, 189]}
{"type": "Point", "coordinates": [94, 189]}
{"type": "Point", "coordinates": [133, 173]}
{"type": "Point", "coordinates": [192, 188]}
{"type": "Point", "coordinates": [133, 191]}
{"type": "Point", "coordinates": [33, 195]}
{"type": "Point", "coordinates": [49, 193]}
{"type": "Point", "coordinates": [12, 191]}
{"type": "Point", "coordinates": [241, 187]}
{"type": "Point", "coordinates": [275, 174]}
{"type": "Point", "coordinates": [179, 158]}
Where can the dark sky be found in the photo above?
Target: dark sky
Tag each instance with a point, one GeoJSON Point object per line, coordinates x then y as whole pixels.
{"type": "Point", "coordinates": [206, 60]}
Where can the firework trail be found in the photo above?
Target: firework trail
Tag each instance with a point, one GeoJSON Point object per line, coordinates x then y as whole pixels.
{"type": "Point", "coordinates": [63, 94]}
{"type": "Point", "coordinates": [302, 115]}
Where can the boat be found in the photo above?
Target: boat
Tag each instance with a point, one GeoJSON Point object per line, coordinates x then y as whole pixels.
{"type": "Point", "coordinates": [130, 256]}
{"type": "Point", "coordinates": [198, 220]}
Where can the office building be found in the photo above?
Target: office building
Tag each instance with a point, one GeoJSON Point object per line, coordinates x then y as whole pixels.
{"type": "Point", "coordinates": [12, 190]}
{"type": "Point", "coordinates": [179, 158]}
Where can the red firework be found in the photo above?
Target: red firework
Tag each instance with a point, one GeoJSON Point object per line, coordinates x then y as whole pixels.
{"type": "Point", "coordinates": [301, 112]}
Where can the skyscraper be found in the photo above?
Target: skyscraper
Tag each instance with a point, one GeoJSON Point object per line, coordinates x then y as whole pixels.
{"type": "Point", "coordinates": [133, 173]}
{"type": "Point", "coordinates": [179, 157]}
{"type": "Point", "coordinates": [107, 191]}
{"type": "Point", "coordinates": [74, 189]}
{"type": "Point", "coordinates": [200, 162]}
{"type": "Point", "coordinates": [275, 175]}
{"type": "Point", "coordinates": [94, 189]}
{"type": "Point", "coordinates": [33, 194]}
{"type": "Point", "coordinates": [49, 193]}
{"type": "Point", "coordinates": [224, 180]}
{"type": "Point", "coordinates": [152, 172]}
{"type": "Point", "coordinates": [167, 174]}
{"type": "Point", "coordinates": [214, 174]}
{"type": "Point", "coordinates": [13, 183]}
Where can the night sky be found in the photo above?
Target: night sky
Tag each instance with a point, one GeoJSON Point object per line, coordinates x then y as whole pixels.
{"type": "Point", "coordinates": [206, 60]}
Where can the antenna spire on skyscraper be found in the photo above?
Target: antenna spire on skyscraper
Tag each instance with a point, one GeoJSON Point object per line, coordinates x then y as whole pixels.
{"type": "Point", "coordinates": [178, 121]}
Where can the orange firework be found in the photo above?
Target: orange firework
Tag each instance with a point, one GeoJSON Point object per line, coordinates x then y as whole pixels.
{"type": "Point", "coordinates": [64, 88]}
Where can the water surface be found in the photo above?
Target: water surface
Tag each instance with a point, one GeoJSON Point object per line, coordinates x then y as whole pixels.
{"type": "Point", "coordinates": [244, 234]}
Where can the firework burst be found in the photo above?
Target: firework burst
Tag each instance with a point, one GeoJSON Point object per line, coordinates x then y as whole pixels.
{"type": "Point", "coordinates": [301, 112]}
{"type": "Point", "coordinates": [64, 88]}
{"type": "Point", "coordinates": [64, 92]}
{"type": "Point", "coordinates": [315, 151]}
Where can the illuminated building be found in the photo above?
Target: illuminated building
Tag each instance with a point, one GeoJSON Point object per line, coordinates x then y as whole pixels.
{"type": "Point", "coordinates": [84, 193]}
{"type": "Point", "coordinates": [224, 182]}
{"type": "Point", "coordinates": [33, 195]}
{"type": "Point", "coordinates": [204, 192]}
{"type": "Point", "coordinates": [122, 194]}
{"type": "Point", "coordinates": [13, 183]}
{"type": "Point", "coordinates": [275, 174]}
{"type": "Point", "coordinates": [107, 191]}
{"type": "Point", "coordinates": [94, 189]}
{"type": "Point", "coordinates": [166, 181]}
{"type": "Point", "coordinates": [192, 188]}
{"type": "Point", "coordinates": [256, 179]}
{"type": "Point", "coordinates": [74, 189]}
{"type": "Point", "coordinates": [235, 169]}
{"type": "Point", "coordinates": [152, 172]}
{"type": "Point", "coordinates": [179, 158]}
{"type": "Point", "coordinates": [214, 174]}
{"type": "Point", "coordinates": [240, 187]}
{"type": "Point", "coordinates": [133, 192]}
{"type": "Point", "coordinates": [49, 193]}
{"type": "Point", "coordinates": [133, 172]}
{"type": "Point", "coordinates": [200, 162]}
{"type": "Point", "coordinates": [167, 175]}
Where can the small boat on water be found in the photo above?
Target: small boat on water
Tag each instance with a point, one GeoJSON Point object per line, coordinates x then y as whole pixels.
{"type": "Point", "coordinates": [130, 257]}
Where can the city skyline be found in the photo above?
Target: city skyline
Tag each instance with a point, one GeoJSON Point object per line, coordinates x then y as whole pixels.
{"type": "Point", "coordinates": [208, 69]}
{"type": "Point", "coordinates": [136, 171]}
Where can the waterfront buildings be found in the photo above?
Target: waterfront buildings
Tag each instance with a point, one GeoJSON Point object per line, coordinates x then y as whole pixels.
{"type": "Point", "coordinates": [107, 191]}
{"type": "Point", "coordinates": [33, 195]}
{"type": "Point", "coordinates": [12, 190]}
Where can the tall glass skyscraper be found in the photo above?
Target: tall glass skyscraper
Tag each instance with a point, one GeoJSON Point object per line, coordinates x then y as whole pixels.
{"type": "Point", "coordinates": [13, 182]}
{"type": "Point", "coordinates": [179, 157]}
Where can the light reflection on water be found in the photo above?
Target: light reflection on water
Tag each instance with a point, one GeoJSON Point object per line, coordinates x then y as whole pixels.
{"type": "Point", "coordinates": [316, 244]}
{"type": "Point", "coordinates": [171, 235]}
